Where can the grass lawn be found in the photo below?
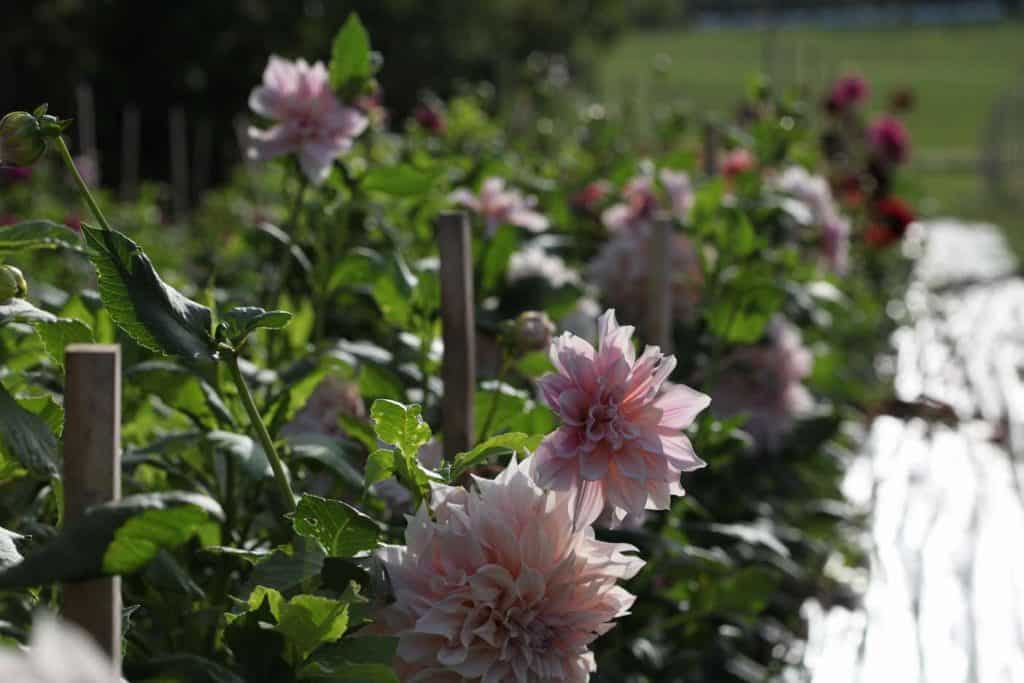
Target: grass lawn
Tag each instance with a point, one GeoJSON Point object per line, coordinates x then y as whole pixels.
{"type": "Point", "coordinates": [956, 73]}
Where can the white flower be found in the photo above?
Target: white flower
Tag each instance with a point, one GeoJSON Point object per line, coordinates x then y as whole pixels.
{"type": "Point", "coordinates": [58, 652]}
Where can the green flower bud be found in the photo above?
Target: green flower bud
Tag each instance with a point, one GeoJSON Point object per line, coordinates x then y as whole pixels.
{"type": "Point", "coordinates": [12, 284]}
{"type": "Point", "coordinates": [530, 331]}
{"type": "Point", "coordinates": [23, 135]}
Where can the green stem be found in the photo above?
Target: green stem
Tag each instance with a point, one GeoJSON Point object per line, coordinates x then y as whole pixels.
{"type": "Point", "coordinates": [276, 464]}
{"type": "Point", "coordinates": [493, 409]}
{"type": "Point", "coordinates": [290, 229]}
{"type": "Point", "coordinates": [65, 154]}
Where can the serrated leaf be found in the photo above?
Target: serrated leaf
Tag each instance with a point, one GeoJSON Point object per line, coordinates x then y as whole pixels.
{"type": "Point", "coordinates": [351, 63]}
{"type": "Point", "coordinates": [308, 621]}
{"type": "Point", "coordinates": [285, 571]}
{"type": "Point", "coordinates": [181, 669]}
{"type": "Point", "coordinates": [117, 538]}
{"type": "Point", "coordinates": [399, 425]}
{"type": "Point", "coordinates": [510, 442]}
{"type": "Point", "coordinates": [26, 438]}
{"type": "Point", "coordinates": [59, 333]}
{"type": "Point", "coordinates": [361, 658]}
{"type": "Point", "coordinates": [340, 528]}
{"type": "Point", "coordinates": [379, 466]}
{"type": "Point", "coordinates": [151, 312]}
{"type": "Point", "coordinates": [239, 323]}
{"type": "Point", "coordinates": [22, 311]}
{"type": "Point", "coordinates": [37, 234]}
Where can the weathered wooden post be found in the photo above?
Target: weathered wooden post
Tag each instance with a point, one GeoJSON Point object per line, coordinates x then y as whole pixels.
{"type": "Point", "coordinates": [92, 475]}
{"type": "Point", "coordinates": [131, 126]}
{"type": "Point", "coordinates": [659, 297]}
{"type": "Point", "coordinates": [179, 162]}
{"type": "Point", "coordinates": [458, 329]}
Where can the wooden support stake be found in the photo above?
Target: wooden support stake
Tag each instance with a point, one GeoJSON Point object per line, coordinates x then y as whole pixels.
{"type": "Point", "coordinates": [710, 150]}
{"type": "Point", "coordinates": [92, 475]}
{"type": "Point", "coordinates": [179, 163]}
{"type": "Point", "coordinates": [458, 328]}
{"type": "Point", "coordinates": [659, 298]}
{"type": "Point", "coordinates": [87, 146]}
{"type": "Point", "coordinates": [131, 126]}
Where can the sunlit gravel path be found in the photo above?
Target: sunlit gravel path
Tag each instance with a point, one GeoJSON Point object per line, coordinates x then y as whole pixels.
{"type": "Point", "coordinates": [944, 597]}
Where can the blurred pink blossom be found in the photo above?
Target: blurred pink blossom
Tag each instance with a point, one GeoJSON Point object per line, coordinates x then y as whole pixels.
{"type": "Point", "coordinates": [620, 441]}
{"type": "Point", "coordinates": [500, 205]}
{"type": "Point", "coordinates": [500, 585]}
{"type": "Point", "coordinates": [737, 161]}
{"type": "Point", "coordinates": [890, 140]}
{"type": "Point", "coordinates": [310, 121]}
{"type": "Point", "coordinates": [640, 200]}
{"type": "Point", "coordinates": [621, 271]}
{"type": "Point", "coordinates": [58, 652]}
{"type": "Point", "coordinates": [765, 382]}
{"type": "Point", "coordinates": [818, 209]}
{"type": "Point", "coordinates": [846, 92]}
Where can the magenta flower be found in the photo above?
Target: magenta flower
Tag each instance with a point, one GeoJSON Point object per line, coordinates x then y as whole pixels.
{"type": "Point", "coordinates": [500, 585]}
{"type": "Point", "coordinates": [311, 122]}
{"type": "Point", "coordinates": [846, 92]}
{"type": "Point", "coordinates": [499, 206]}
{"type": "Point", "coordinates": [765, 383]}
{"type": "Point", "coordinates": [620, 440]}
{"type": "Point", "coordinates": [890, 140]}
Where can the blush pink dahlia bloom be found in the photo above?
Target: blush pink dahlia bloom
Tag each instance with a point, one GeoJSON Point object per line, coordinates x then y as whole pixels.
{"type": "Point", "coordinates": [501, 586]}
{"type": "Point", "coordinates": [640, 200]}
{"type": "Point", "coordinates": [311, 122]}
{"type": "Point", "coordinates": [500, 205]}
{"type": "Point", "coordinates": [765, 383]}
{"type": "Point", "coordinates": [620, 440]}
{"type": "Point", "coordinates": [816, 208]}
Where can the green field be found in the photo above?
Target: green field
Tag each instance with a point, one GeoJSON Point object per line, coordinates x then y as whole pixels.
{"type": "Point", "coordinates": [957, 74]}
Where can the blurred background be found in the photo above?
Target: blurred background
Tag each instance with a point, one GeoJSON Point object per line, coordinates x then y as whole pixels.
{"type": "Point", "coordinates": [183, 70]}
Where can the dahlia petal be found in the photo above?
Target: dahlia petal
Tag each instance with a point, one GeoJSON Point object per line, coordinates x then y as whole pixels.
{"type": "Point", "coordinates": [531, 220]}
{"type": "Point", "coordinates": [631, 462]}
{"type": "Point", "coordinates": [679, 452]}
{"type": "Point", "coordinates": [680, 405]}
{"type": "Point", "coordinates": [594, 465]}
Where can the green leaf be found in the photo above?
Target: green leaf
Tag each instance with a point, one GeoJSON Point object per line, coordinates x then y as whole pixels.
{"type": "Point", "coordinates": [179, 388]}
{"type": "Point", "coordinates": [399, 181]}
{"type": "Point", "coordinates": [744, 307]}
{"type": "Point", "coordinates": [21, 311]}
{"type": "Point", "coordinates": [289, 567]}
{"type": "Point", "coordinates": [239, 323]}
{"type": "Point", "coordinates": [26, 438]}
{"type": "Point", "coordinates": [245, 450]}
{"type": "Point", "coordinates": [308, 621]}
{"type": "Point", "coordinates": [58, 334]}
{"type": "Point", "coordinates": [329, 452]}
{"type": "Point", "coordinates": [38, 234]}
{"type": "Point", "coordinates": [360, 658]}
{"type": "Point", "coordinates": [379, 466]}
{"type": "Point", "coordinates": [399, 425]}
{"type": "Point", "coordinates": [494, 263]}
{"type": "Point", "coordinates": [340, 528]}
{"type": "Point", "coordinates": [511, 442]}
{"type": "Point", "coordinates": [154, 314]}
{"type": "Point", "coordinates": [351, 63]}
{"type": "Point", "coordinates": [117, 538]}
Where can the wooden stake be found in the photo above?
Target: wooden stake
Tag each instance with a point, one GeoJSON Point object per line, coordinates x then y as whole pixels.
{"type": "Point", "coordinates": [131, 126]}
{"type": "Point", "coordinates": [92, 475]}
{"type": "Point", "coordinates": [659, 298]}
{"type": "Point", "coordinates": [458, 328]}
{"type": "Point", "coordinates": [179, 162]}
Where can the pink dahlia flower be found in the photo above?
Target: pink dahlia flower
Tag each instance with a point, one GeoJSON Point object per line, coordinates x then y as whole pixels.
{"type": "Point", "coordinates": [640, 201]}
{"type": "Point", "coordinates": [500, 205]}
{"type": "Point", "coordinates": [848, 91]}
{"type": "Point", "coordinates": [622, 268]}
{"type": "Point", "coordinates": [500, 585]}
{"type": "Point", "coordinates": [765, 382]}
{"type": "Point", "coordinates": [58, 652]}
{"type": "Point", "coordinates": [311, 122]}
{"type": "Point", "coordinates": [620, 440]}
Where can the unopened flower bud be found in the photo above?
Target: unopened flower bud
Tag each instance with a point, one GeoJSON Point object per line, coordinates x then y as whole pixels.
{"type": "Point", "coordinates": [532, 331]}
{"type": "Point", "coordinates": [12, 284]}
{"type": "Point", "coordinates": [23, 136]}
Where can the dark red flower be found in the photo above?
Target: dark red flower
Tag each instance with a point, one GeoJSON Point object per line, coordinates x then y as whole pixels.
{"type": "Point", "coordinates": [430, 119]}
{"type": "Point", "coordinates": [587, 199]}
{"type": "Point", "coordinates": [15, 174]}
{"type": "Point", "coordinates": [73, 221]}
{"type": "Point", "coordinates": [892, 217]}
{"type": "Point", "coordinates": [7, 219]}
{"type": "Point", "coordinates": [846, 92]}
{"type": "Point", "coordinates": [890, 140]}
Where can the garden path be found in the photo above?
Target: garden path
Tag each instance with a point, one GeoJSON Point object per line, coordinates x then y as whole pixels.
{"type": "Point", "coordinates": [944, 595]}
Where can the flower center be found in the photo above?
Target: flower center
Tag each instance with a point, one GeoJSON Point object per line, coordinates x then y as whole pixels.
{"type": "Point", "coordinates": [606, 423]}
